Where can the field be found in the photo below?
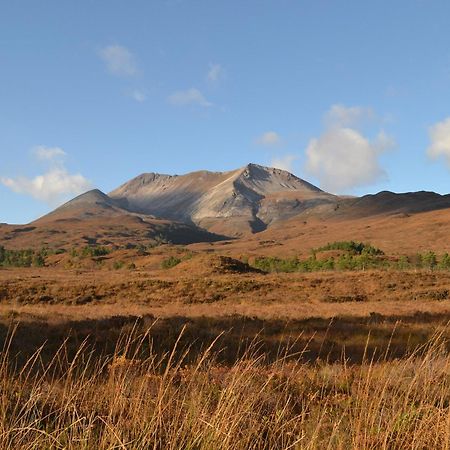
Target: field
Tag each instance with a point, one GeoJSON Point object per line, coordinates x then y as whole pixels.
{"type": "Point", "coordinates": [213, 354]}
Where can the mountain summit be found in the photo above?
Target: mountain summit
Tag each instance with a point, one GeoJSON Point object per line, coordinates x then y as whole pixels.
{"type": "Point", "coordinates": [246, 199]}
{"type": "Point", "coordinates": [208, 206]}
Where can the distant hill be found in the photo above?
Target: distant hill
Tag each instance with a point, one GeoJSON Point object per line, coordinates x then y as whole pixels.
{"type": "Point", "coordinates": [95, 219]}
{"type": "Point", "coordinates": [204, 206]}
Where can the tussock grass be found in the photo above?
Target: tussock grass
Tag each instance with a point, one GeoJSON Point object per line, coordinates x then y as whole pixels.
{"type": "Point", "coordinates": [135, 398]}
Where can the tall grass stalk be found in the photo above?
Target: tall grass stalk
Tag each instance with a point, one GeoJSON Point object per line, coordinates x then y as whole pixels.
{"type": "Point", "coordinates": [136, 399]}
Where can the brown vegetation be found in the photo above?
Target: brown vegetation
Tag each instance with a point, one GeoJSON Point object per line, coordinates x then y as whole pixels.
{"type": "Point", "coordinates": [119, 350]}
{"type": "Point", "coordinates": [136, 397]}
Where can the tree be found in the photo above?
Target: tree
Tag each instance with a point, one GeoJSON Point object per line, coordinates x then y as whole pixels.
{"type": "Point", "coordinates": [444, 263]}
{"type": "Point", "coordinates": [38, 260]}
{"type": "Point", "coordinates": [403, 263]}
{"type": "Point", "coordinates": [429, 260]}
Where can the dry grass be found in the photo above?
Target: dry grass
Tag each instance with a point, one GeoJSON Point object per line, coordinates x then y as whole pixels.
{"type": "Point", "coordinates": [87, 368]}
{"type": "Point", "coordinates": [165, 293]}
{"type": "Point", "coordinates": [136, 398]}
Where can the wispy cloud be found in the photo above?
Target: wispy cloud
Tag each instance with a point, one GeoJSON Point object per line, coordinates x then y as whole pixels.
{"type": "Point", "coordinates": [48, 153]}
{"type": "Point", "coordinates": [285, 162]}
{"type": "Point", "coordinates": [53, 186]}
{"type": "Point", "coordinates": [353, 116]}
{"type": "Point", "coordinates": [439, 135]}
{"type": "Point", "coordinates": [215, 73]}
{"type": "Point", "coordinates": [269, 139]}
{"type": "Point", "coordinates": [119, 60]}
{"type": "Point", "coordinates": [342, 157]}
{"type": "Point", "coordinates": [190, 96]}
{"type": "Point", "coordinates": [139, 95]}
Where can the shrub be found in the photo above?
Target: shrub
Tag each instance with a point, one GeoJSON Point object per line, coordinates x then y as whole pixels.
{"type": "Point", "coordinates": [403, 263]}
{"type": "Point", "coordinates": [444, 263]}
{"type": "Point", "coordinates": [39, 260]}
{"type": "Point", "coordinates": [170, 262]}
{"type": "Point", "coordinates": [118, 265]}
{"type": "Point", "coordinates": [93, 251]}
{"type": "Point", "coordinates": [429, 260]}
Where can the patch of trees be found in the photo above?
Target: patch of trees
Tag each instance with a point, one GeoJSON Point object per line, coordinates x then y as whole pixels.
{"type": "Point", "coordinates": [37, 258]}
{"type": "Point", "coordinates": [90, 251]}
{"type": "Point", "coordinates": [352, 247]}
{"type": "Point", "coordinates": [22, 258]}
{"type": "Point", "coordinates": [353, 256]}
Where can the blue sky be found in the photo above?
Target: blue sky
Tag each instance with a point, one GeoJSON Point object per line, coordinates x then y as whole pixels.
{"type": "Point", "coordinates": [351, 95]}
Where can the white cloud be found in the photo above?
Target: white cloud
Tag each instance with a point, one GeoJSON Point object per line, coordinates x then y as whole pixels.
{"type": "Point", "coordinates": [284, 162]}
{"type": "Point", "coordinates": [51, 187]}
{"type": "Point", "coordinates": [343, 116]}
{"type": "Point", "coordinates": [215, 73]}
{"type": "Point", "coordinates": [383, 142]}
{"type": "Point", "coordinates": [48, 153]}
{"type": "Point", "coordinates": [269, 139]}
{"type": "Point", "coordinates": [119, 60]}
{"type": "Point", "coordinates": [439, 134]}
{"type": "Point", "coordinates": [342, 157]}
{"type": "Point", "coordinates": [55, 185]}
{"type": "Point", "coordinates": [191, 96]}
{"type": "Point", "coordinates": [138, 95]}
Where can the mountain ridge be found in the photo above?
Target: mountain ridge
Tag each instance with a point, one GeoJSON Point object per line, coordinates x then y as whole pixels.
{"type": "Point", "coordinates": [206, 206]}
{"type": "Point", "coordinates": [206, 198]}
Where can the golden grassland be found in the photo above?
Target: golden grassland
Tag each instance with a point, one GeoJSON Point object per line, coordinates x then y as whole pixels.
{"type": "Point", "coordinates": [186, 358]}
{"type": "Point", "coordinates": [136, 398]}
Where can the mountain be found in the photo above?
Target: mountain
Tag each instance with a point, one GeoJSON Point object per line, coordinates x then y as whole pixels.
{"type": "Point", "coordinates": [95, 218]}
{"type": "Point", "coordinates": [232, 203]}
{"type": "Point", "coordinates": [254, 203]}
{"type": "Point", "coordinates": [85, 206]}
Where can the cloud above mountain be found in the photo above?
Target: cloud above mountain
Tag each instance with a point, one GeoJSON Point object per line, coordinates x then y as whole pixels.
{"type": "Point", "coordinates": [439, 135]}
{"type": "Point", "coordinates": [55, 185]}
{"type": "Point", "coordinates": [343, 157]}
{"type": "Point", "coordinates": [119, 60]}
{"type": "Point", "coordinates": [138, 95]}
{"type": "Point", "coordinates": [190, 96]}
{"type": "Point", "coordinates": [215, 73]}
{"type": "Point", "coordinates": [285, 162]}
{"type": "Point", "coordinates": [269, 139]}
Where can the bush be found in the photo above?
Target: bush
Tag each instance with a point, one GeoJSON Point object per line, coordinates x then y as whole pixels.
{"type": "Point", "coordinates": [444, 263]}
{"type": "Point", "coordinates": [429, 260]}
{"type": "Point", "coordinates": [94, 251]}
{"type": "Point", "coordinates": [118, 265]}
{"type": "Point", "coordinates": [170, 262]}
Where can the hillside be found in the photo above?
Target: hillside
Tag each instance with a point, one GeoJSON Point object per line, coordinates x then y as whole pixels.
{"type": "Point", "coordinates": [248, 206]}
{"type": "Point", "coordinates": [95, 219]}
{"type": "Point", "coordinates": [232, 203]}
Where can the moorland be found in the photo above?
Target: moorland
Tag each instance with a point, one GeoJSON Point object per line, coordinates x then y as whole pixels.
{"type": "Point", "coordinates": [246, 309]}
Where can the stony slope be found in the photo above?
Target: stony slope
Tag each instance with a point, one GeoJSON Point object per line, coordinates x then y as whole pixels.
{"type": "Point", "coordinates": [246, 199]}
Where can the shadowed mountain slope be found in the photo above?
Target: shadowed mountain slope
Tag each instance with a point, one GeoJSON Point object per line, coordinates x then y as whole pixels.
{"type": "Point", "coordinates": [387, 202]}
